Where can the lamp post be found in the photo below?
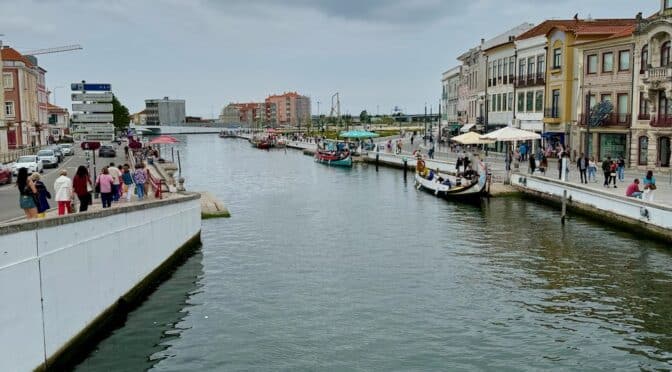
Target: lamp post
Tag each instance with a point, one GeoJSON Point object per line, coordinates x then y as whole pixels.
{"type": "Point", "coordinates": [424, 134]}
{"type": "Point", "coordinates": [587, 120]}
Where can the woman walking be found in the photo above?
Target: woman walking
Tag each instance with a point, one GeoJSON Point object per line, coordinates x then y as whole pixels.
{"type": "Point", "coordinates": [105, 183]}
{"type": "Point", "coordinates": [127, 179]}
{"type": "Point", "coordinates": [42, 195]}
{"type": "Point", "coordinates": [140, 177]}
{"type": "Point", "coordinates": [592, 169]}
{"type": "Point", "coordinates": [27, 193]}
{"type": "Point", "coordinates": [649, 186]}
{"type": "Point", "coordinates": [83, 186]}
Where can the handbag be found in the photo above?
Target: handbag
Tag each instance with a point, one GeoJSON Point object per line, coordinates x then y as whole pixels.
{"type": "Point", "coordinates": [652, 186]}
{"type": "Point", "coordinates": [97, 188]}
{"type": "Point", "coordinates": [88, 187]}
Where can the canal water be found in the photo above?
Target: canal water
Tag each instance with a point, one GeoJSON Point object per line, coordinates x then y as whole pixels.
{"type": "Point", "coordinates": [354, 270]}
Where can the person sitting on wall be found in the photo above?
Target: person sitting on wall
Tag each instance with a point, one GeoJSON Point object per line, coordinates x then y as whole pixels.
{"type": "Point", "coordinates": [633, 190]}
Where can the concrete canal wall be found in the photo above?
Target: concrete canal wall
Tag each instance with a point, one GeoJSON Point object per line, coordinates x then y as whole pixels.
{"type": "Point", "coordinates": [63, 279]}
{"type": "Point", "coordinates": [637, 215]}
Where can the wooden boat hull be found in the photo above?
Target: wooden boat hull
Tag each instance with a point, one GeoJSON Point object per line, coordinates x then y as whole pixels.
{"type": "Point", "coordinates": [328, 160]}
{"type": "Point", "coordinates": [473, 191]}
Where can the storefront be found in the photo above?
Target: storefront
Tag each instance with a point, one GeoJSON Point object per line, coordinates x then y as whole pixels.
{"type": "Point", "coordinates": [613, 144]}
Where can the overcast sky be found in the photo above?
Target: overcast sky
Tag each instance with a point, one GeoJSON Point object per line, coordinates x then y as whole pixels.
{"type": "Point", "coordinates": [377, 53]}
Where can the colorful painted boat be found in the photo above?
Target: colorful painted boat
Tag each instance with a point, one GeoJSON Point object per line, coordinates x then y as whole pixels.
{"type": "Point", "coordinates": [469, 187]}
{"type": "Point", "coordinates": [342, 158]}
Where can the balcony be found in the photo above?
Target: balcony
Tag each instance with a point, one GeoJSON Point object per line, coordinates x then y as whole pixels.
{"type": "Point", "coordinates": [657, 75]}
{"type": "Point", "coordinates": [552, 113]}
{"type": "Point", "coordinates": [661, 121]}
{"type": "Point", "coordinates": [541, 78]}
{"type": "Point", "coordinates": [521, 81]}
{"type": "Point", "coordinates": [613, 120]}
{"type": "Point", "coordinates": [644, 116]}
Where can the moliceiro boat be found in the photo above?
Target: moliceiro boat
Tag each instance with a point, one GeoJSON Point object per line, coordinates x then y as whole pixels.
{"type": "Point", "coordinates": [336, 154]}
{"type": "Point", "coordinates": [467, 185]}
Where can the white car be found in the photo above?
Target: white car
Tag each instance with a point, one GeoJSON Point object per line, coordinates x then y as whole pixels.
{"type": "Point", "coordinates": [31, 162]}
{"type": "Point", "coordinates": [67, 149]}
{"type": "Point", "coordinates": [48, 158]}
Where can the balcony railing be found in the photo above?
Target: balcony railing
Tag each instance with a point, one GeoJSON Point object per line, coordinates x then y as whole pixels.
{"type": "Point", "coordinates": [661, 121]}
{"type": "Point", "coordinates": [613, 120]}
{"type": "Point", "coordinates": [657, 74]}
{"type": "Point", "coordinates": [530, 80]}
{"type": "Point", "coordinates": [644, 116]}
{"type": "Point", "coordinates": [541, 78]}
{"type": "Point", "coordinates": [521, 81]}
{"type": "Point", "coordinates": [553, 113]}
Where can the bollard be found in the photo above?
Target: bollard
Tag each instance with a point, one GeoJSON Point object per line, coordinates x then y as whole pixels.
{"type": "Point", "coordinates": [377, 158]}
{"type": "Point", "coordinates": [405, 167]}
{"type": "Point", "coordinates": [564, 206]}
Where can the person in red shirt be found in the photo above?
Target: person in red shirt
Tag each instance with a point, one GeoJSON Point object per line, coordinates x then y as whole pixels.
{"type": "Point", "coordinates": [633, 190]}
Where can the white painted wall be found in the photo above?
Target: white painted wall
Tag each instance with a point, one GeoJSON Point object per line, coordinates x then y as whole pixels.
{"type": "Point", "coordinates": [659, 215]}
{"type": "Point", "coordinates": [84, 268]}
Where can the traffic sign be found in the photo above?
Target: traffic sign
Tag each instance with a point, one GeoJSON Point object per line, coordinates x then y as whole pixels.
{"type": "Point", "coordinates": [90, 145]}
{"type": "Point", "coordinates": [92, 107]}
{"type": "Point", "coordinates": [91, 87]}
{"type": "Point", "coordinates": [92, 118]}
{"type": "Point", "coordinates": [92, 97]}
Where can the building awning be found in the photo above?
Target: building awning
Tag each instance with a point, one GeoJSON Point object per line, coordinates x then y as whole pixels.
{"type": "Point", "coordinates": [467, 127]}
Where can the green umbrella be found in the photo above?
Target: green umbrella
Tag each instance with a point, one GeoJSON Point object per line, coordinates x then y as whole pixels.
{"type": "Point", "coordinates": [358, 134]}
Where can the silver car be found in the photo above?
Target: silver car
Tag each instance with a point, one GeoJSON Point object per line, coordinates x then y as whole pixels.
{"type": "Point", "coordinates": [48, 157]}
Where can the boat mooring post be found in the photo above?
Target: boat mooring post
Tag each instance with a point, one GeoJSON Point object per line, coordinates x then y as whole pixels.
{"type": "Point", "coordinates": [405, 167]}
{"type": "Point", "coordinates": [564, 206]}
{"type": "Point", "coordinates": [377, 158]}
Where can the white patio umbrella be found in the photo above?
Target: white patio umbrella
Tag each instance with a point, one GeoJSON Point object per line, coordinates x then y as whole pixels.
{"type": "Point", "coordinates": [510, 134]}
{"type": "Point", "coordinates": [471, 138]}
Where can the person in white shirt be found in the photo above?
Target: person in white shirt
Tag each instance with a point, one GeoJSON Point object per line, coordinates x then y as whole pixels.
{"type": "Point", "coordinates": [116, 181]}
{"type": "Point", "coordinates": [63, 191]}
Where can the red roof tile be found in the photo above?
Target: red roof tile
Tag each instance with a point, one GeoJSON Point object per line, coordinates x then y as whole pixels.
{"type": "Point", "coordinates": [581, 27]}
{"type": "Point", "coordinates": [10, 54]}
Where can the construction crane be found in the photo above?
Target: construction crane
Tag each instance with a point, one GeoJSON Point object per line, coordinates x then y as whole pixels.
{"type": "Point", "coordinates": [66, 48]}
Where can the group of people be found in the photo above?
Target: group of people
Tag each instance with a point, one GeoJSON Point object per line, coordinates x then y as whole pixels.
{"type": "Point", "coordinates": [112, 183]}
{"type": "Point", "coordinates": [647, 193]}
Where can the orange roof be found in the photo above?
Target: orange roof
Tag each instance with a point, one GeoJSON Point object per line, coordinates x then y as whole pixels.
{"type": "Point", "coordinates": [288, 94]}
{"type": "Point", "coordinates": [51, 107]}
{"type": "Point", "coordinates": [10, 54]}
{"type": "Point", "coordinates": [581, 27]}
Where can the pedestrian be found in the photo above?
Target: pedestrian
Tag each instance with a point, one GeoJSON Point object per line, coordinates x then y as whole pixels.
{"type": "Point", "coordinates": [533, 164]}
{"type": "Point", "coordinates": [126, 152]}
{"type": "Point", "coordinates": [606, 169]}
{"type": "Point", "coordinates": [116, 181]}
{"type": "Point", "coordinates": [458, 163]}
{"type": "Point", "coordinates": [412, 138]}
{"type": "Point", "coordinates": [582, 165]}
{"type": "Point", "coordinates": [27, 194]}
{"type": "Point", "coordinates": [633, 190]}
{"type": "Point", "coordinates": [431, 151]}
{"type": "Point", "coordinates": [42, 195]}
{"type": "Point", "coordinates": [592, 169]}
{"type": "Point", "coordinates": [649, 186]}
{"type": "Point", "coordinates": [543, 164]}
{"type": "Point", "coordinates": [64, 193]}
{"type": "Point", "coordinates": [620, 168]}
{"type": "Point", "coordinates": [82, 186]}
{"type": "Point", "coordinates": [613, 169]}
{"type": "Point", "coordinates": [139, 176]}
{"type": "Point", "coordinates": [104, 182]}
{"type": "Point", "coordinates": [127, 179]}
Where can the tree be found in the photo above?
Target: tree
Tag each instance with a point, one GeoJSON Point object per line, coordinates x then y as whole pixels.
{"type": "Point", "coordinates": [121, 115]}
{"type": "Point", "coordinates": [364, 117]}
{"type": "Point", "coordinates": [599, 113]}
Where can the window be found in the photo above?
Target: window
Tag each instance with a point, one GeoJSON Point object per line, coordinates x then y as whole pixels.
{"type": "Point", "coordinates": [530, 67]}
{"type": "Point", "coordinates": [644, 60]}
{"type": "Point", "coordinates": [592, 101]}
{"type": "Point", "coordinates": [529, 107]}
{"type": "Point", "coordinates": [512, 67]}
{"type": "Point", "coordinates": [504, 103]}
{"type": "Point", "coordinates": [555, 104]}
{"type": "Point", "coordinates": [510, 106]}
{"type": "Point", "coordinates": [557, 58]}
{"type": "Point", "coordinates": [499, 69]}
{"type": "Point", "coordinates": [622, 107]}
{"type": "Point", "coordinates": [605, 97]}
{"type": "Point", "coordinates": [7, 81]}
{"type": "Point", "coordinates": [624, 60]}
{"type": "Point", "coordinates": [591, 64]}
{"type": "Point", "coordinates": [505, 69]}
{"type": "Point", "coordinates": [9, 109]}
{"type": "Point", "coordinates": [665, 54]}
{"type": "Point", "coordinates": [541, 65]}
{"type": "Point", "coordinates": [521, 101]}
{"type": "Point", "coordinates": [539, 101]}
{"type": "Point", "coordinates": [643, 153]}
{"type": "Point", "coordinates": [643, 107]}
{"type": "Point", "coordinates": [608, 62]}
{"type": "Point", "coordinates": [521, 69]}
{"type": "Point", "coordinates": [499, 102]}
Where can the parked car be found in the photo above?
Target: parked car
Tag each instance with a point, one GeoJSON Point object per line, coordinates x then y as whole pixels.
{"type": "Point", "coordinates": [31, 162]}
{"type": "Point", "coordinates": [107, 151]}
{"type": "Point", "coordinates": [5, 174]}
{"type": "Point", "coordinates": [67, 149]}
{"type": "Point", "coordinates": [48, 158]}
{"type": "Point", "coordinates": [57, 151]}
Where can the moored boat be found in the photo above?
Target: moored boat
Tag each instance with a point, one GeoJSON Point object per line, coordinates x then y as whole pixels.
{"type": "Point", "coordinates": [469, 185]}
{"type": "Point", "coordinates": [334, 153]}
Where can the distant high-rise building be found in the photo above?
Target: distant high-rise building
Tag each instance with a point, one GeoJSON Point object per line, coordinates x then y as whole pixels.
{"type": "Point", "coordinates": [165, 111]}
{"type": "Point", "coordinates": [289, 109]}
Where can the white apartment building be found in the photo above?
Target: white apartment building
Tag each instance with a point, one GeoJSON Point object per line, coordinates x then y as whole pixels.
{"type": "Point", "coordinates": [450, 80]}
{"type": "Point", "coordinates": [530, 83]}
{"type": "Point", "coordinates": [471, 98]}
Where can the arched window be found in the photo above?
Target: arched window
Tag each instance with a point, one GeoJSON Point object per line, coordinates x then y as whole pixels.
{"type": "Point", "coordinates": [644, 59]}
{"type": "Point", "coordinates": [665, 54]}
{"type": "Point", "coordinates": [664, 151]}
{"type": "Point", "coordinates": [643, 154]}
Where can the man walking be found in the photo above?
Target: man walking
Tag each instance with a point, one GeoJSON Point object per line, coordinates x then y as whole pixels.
{"type": "Point", "coordinates": [115, 173]}
{"type": "Point", "coordinates": [582, 164]}
{"type": "Point", "coordinates": [63, 191]}
{"type": "Point", "coordinates": [606, 168]}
